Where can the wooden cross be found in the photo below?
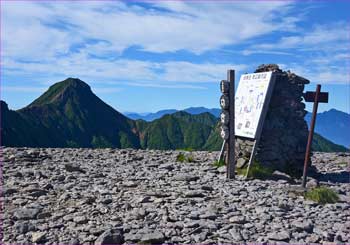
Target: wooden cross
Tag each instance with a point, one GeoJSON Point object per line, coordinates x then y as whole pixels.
{"type": "Point", "coordinates": [316, 97]}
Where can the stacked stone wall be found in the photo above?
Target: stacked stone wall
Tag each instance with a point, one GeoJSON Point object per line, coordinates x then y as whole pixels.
{"type": "Point", "coordinates": [284, 135]}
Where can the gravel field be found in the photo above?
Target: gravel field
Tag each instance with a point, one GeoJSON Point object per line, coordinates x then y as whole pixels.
{"type": "Point", "coordinates": [94, 196]}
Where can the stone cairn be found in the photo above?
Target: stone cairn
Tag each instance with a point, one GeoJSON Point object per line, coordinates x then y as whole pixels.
{"type": "Point", "coordinates": [285, 132]}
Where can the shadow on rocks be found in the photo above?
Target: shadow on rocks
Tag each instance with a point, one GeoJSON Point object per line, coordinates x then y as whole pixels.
{"type": "Point", "coordinates": [334, 177]}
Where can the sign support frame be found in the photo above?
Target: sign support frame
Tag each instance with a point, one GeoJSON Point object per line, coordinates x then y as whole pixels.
{"type": "Point", "coordinates": [261, 121]}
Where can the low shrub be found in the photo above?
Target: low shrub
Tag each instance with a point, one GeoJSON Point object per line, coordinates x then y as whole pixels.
{"type": "Point", "coordinates": [257, 171]}
{"type": "Point", "coordinates": [181, 157]}
{"type": "Point", "coordinates": [219, 164]}
{"type": "Point", "coordinates": [322, 195]}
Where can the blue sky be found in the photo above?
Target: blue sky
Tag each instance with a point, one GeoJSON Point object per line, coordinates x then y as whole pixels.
{"type": "Point", "coordinates": [148, 56]}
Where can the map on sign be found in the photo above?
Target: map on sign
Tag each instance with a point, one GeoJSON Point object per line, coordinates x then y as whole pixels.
{"type": "Point", "coordinates": [249, 102]}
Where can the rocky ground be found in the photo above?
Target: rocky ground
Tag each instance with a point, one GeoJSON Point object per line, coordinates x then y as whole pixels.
{"type": "Point", "coordinates": [75, 196]}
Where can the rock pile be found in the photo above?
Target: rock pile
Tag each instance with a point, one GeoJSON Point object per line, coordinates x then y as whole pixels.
{"type": "Point", "coordinates": [109, 196]}
{"type": "Point", "coordinates": [284, 135]}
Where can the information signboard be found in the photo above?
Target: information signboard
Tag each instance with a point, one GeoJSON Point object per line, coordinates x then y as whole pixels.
{"type": "Point", "coordinates": [252, 94]}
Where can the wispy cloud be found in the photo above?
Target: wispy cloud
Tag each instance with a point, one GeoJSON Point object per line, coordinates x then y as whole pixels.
{"type": "Point", "coordinates": [320, 37]}
{"type": "Point", "coordinates": [124, 70]}
{"type": "Point", "coordinates": [44, 30]}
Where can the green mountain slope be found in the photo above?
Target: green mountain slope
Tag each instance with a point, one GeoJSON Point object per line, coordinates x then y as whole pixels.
{"type": "Point", "coordinates": [178, 130]}
{"type": "Point", "coordinates": [69, 114]}
{"type": "Point", "coordinates": [320, 143]}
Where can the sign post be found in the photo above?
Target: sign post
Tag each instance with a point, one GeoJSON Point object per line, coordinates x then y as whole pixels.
{"type": "Point", "coordinates": [227, 117]}
{"type": "Point", "coordinates": [316, 97]}
{"type": "Point", "coordinates": [243, 114]}
{"type": "Point", "coordinates": [231, 139]}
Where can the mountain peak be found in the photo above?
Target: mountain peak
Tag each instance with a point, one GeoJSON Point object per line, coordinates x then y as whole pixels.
{"type": "Point", "coordinates": [70, 87]}
{"type": "Point", "coordinates": [70, 81]}
{"type": "Point", "coordinates": [3, 105]}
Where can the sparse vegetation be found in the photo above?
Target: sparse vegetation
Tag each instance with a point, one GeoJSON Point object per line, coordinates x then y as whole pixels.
{"type": "Point", "coordinates": [257, 171]}
{"type": "Point", "coordinates": [181, 157]}
{"type": "Point", "coordinates": [190, 159]}
{"type": "Point", "coordinates": [343, 164]}
{"type": "Point", "coordinates": [189, 149]}
{"type": "Point", "coordinates": [322, 195]}
{"type": "Point", "coordinates": [219, 164]}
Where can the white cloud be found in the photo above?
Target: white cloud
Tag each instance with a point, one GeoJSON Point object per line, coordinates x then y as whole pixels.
{"type": "Point", "coordinates": [123, 70]}
{"type": "Point", "coordinates": [320, 37]}
{"type": "Point", "coordinates": [321, 74]}
{"type": "Point", "coordinates": [44, 30]}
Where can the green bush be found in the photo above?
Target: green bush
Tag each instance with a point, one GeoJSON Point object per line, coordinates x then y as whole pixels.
{"type": "Point", "coordinates": [322, 195]}
{"type": "Point", "coordinates": [219, 164]}
{"type": "Point", "coordinates": [181, 157]}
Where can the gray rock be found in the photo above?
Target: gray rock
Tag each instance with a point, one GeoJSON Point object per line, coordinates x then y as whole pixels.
{"type": "Point", "coordinates": [44, 215]}
{"type": "Point", "coordinates": [185, 177]}
{"type": "Point", "coordinates": [34, 192]}
{"type": "Point", "coordinates": [80, 220]}
{"type": "Point", "coordinates": [24, 227]}
{"type": "Point", "coordinates": [111, 236]}
{"type": "Point", "coordinates": [281, 176]}
{"type": "Point", "coordinates": [241, 162]}
{"type": "Point", "coordinates": [155, 237]}
{"type": "Point", "coordinates": [236, 235]}
{"type": "Point", "coordinates": [194, 193]}
{"type": "Point", "coordinates": [238, 220]}
{"type": "Point", "coordinates": [26, 213]}
{"type": "Point", "coordinates": [279, 236]}
{"type": "Point", "coordinates": [38, 237]}
{"type": "Point", "coordinates": [73, 168]}
{"type": "Point", "coordinates": [10, 191]}
{"type": "Point", "coordinates": [222, 169]}
{"type": "Point", "coordinates": [312, 183]}
{"type": "Point", "coordinates": [107, 201]}
{"type": "Point", "coordinates": [303, 226]}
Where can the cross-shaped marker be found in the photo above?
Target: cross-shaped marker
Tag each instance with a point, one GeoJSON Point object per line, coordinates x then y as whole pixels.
{"type": "Point", "coordinates": [316, 97]}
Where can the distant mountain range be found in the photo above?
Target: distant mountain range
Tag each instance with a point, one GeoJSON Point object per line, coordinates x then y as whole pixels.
{"type": "Point", "coordinates": [69, 114]}
{"type": "Point", "coordinates": [152, 116]}
{"type": "Point", "coordinates": [333, 124]}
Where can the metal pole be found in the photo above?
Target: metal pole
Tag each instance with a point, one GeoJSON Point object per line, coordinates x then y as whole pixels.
{"type": "Point", "coordinates": [251, 157]}
{"type": "Point", "coordinates": [231, 140]}
{"type": "Point", "coordinates": [222, 151]}
{"type": "Point", "coordinates": [311, 134]}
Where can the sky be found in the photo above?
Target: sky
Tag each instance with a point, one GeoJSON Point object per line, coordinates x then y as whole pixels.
{"type": "Point", "coordinates": [152, 55]}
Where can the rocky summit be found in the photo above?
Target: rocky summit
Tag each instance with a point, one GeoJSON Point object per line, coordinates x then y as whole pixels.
{"type": "Point", "coordinates": [112, 196]}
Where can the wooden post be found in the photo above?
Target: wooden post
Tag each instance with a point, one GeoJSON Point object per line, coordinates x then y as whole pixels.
{"type": "Point", "coordinates": [231, 164]}
{"type": "Point", "coordinates": [311, 134]}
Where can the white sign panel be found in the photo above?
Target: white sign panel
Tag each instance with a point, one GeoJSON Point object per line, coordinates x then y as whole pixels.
{"type": "Point", "coordinates": [249, 100]}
